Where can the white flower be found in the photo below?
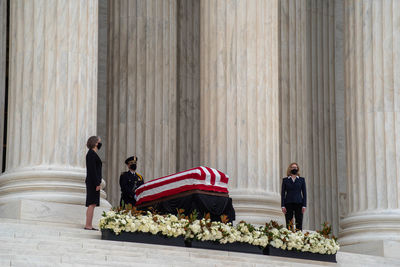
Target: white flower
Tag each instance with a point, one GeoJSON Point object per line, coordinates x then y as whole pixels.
{"type": "Point", "coordinates": [144, 228]}
{"type": "Point", "coordinates": [195, 228]}
{"type": "Point", "coordinates": [170, 225]}
{"type": "Point", "coordinates": [110, 213]}
{"type": "Point", "coordinates": [277, 243]}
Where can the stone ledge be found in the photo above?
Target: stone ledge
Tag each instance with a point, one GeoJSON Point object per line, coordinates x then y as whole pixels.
{"type": "Point", "coordinates": [51, 212]}
{"type": "Point", "coordinates": [389, 248]}
{"type": "Point", "coordinates": [112, 253]}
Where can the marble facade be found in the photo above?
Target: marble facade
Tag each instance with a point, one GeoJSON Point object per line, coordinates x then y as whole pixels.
{"type": "Point", "coordinates": [242, 86]}
{"type": "Point", "coordinates": [188, 73]}
{"type": "Point", "coordinates": [52, 103]}
{"type": "Point", "coordinates": [239, 102]}
{"type": "Point", "coordinates": [308, 103]}
{"type": "Point", "coordinates": [142, 89]}
{"type": "Point", "coordinates": [372, 115]}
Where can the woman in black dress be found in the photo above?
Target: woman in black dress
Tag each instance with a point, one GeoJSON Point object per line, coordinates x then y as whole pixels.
{"type": "Point", "coordinates": [93, 179]}
{"type": "Point", "coordinates": [294, 196]}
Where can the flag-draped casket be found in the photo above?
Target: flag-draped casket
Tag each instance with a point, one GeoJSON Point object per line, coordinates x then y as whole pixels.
{"type": "Point", "coordinates": [201, 178]}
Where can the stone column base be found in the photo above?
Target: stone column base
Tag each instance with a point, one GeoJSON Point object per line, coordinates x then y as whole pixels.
{"type": "Point", "coordinates": [376, 248]}
{"type": "Point", "coordinates": [46, 211]}
{"type": "Point", "coordinates": [256, 208]}
{"type": "Point", "coordinates": [372, 233]}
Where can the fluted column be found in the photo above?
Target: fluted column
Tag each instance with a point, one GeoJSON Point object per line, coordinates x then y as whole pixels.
{"type": "Point", "coordinates": [188, 132]}
{"type": "Point", "coordinates": [240, 102]}
{"type": "Point", "coordinates": [340, 113]}
{"type": "Point", "coordinates": [372, 67]}
{"type": "Point", "coordinates": [295, 94]}
{"type": "Point", "coordinates": [3, 69]}
{"type": "Point", "coordinates": [307, 103]}
{"type": "Point", "coordinates": [52, 100]}
{"type": "Point", "coordinates": [142, 87]}
{"type": "Point", "coordinates": [294, 86]}
{"type": "Point", "coordinates": [102, 107]}
{"type": "Point", "coordinates": [322, 126]}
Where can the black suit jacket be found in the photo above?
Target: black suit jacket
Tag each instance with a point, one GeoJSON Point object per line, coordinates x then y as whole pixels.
{"type": "Point", "coordinates": [294, 192]}
{"type": "Point", "coordinates": [93, 168]}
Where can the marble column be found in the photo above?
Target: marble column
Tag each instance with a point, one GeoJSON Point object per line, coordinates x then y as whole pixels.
{"type": "Point", "coordinates": [240, 102]}
{"type": "Point", "coordinates": [295, 94]}
{"type": "Point", "coordinates": [372, 83]}
{"type": "Point", "coordinates": [307, 103]}
{"type": "Point", "coordinates": [102, 79]}
{"type": "Point", "coordinates": [323, 164]}
{"type": "Point", "coordinates": [52, 100]}
{"type": "Point", "coordinates": [340, 112]}
{"type": "Point", "coordinates": [142, 89]}
{"type": "Point", "coordinates": [188, 69]}
{"type": "Point", "coordinates": [294, 85]}
{"type": "Point", "coordinates": [3, 69]}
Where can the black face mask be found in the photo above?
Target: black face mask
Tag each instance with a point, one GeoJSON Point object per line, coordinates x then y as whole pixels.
{"type": "Point", "coordinates": [132, 167]}
{"type": "Point", "coordinates": [99, 145]}
{"type": "Point", "coordinates": [294, 171]}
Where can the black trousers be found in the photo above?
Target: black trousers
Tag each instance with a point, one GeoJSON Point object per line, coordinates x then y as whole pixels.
{"type": "Point", "coordinates": [294, 209]}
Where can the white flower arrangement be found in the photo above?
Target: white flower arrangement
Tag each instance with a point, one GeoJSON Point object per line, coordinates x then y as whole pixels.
{"type": "Point", "coordinates": [305, 241]}
{"type": "Point", "coordinates": [206, 230]}
{"type": "Point", "coordinates": [168, 225]}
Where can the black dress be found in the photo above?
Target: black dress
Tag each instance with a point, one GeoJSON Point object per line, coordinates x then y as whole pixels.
{"type": "Point", "coordinates": [129, 182]}
{"type": "Point", "coordinates": [93, 178]}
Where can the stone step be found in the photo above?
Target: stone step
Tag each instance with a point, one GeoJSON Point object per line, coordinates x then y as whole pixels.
{"type": "Point", "coordinates": [26, 229]}
{"type": "Point", "coordinates": [73, 253]}
{"type": "Point", "coordinates": [42, 223]}
{"type": "Point", "coordinates": [49, 262]}
{"type": "Point", "coordinates": [62, 248]}
{"type": "Point", "coordinates": [23, 243]}
{"type": "Point", "coordinates": [118, 260]}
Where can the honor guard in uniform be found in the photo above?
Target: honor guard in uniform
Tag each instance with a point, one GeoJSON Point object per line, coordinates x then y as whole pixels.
{"type": "Point", "coordinates": [129, 182]}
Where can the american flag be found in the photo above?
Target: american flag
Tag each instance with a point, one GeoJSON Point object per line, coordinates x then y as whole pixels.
{"type": "Point", "coordinates": [200, 178]}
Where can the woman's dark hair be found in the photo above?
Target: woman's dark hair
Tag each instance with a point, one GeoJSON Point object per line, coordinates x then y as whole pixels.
{"type": "Point", "coordinates": [91, 142]}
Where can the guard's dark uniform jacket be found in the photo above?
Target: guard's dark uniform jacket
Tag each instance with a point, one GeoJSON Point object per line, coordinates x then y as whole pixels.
{"type": "Point", "coordinates": [129, 182]}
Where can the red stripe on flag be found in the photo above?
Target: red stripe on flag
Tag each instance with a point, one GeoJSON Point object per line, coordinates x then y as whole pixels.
{"type": "Point", "coordinates": [181, 189]}
{"type": "Point", "coordinates": [155, 179]}
{"type": "Point", "coordinates": [145, 187]}
{"type": "Point", "coordinates": [203, 174]}
{"type": "Point", "coordinates": [224, 178]}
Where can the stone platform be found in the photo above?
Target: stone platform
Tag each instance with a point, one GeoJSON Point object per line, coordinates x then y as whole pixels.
{"type": "Point", "coordinates": [33, 243]}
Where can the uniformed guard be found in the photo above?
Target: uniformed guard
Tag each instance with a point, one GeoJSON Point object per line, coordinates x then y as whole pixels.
{"type": "Point", "coordinates": [129, 182]}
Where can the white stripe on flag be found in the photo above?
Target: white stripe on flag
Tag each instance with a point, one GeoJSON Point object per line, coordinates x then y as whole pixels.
{"type": "Point", "coordinates": [208, 176]}
{"type": "Point", "coordinates": [195, 171]}
{"type": "Point", "coordinates": [217, 176]}
{"type": "Point", "coordinates": [173, 185]}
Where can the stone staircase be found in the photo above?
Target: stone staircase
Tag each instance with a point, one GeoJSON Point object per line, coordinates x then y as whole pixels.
{"type": "Point", "coordinates": [30, 243]}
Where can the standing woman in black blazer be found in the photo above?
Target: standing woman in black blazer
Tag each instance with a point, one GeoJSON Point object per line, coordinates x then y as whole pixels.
{"type": "Point", "coordinates": [294, 196]}
{"type": "Point", "coordinates": [93, 179]}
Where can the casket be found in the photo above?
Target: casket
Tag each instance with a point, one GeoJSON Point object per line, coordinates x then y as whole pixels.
{"type": "Point", "coordinates": [204, 179]}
